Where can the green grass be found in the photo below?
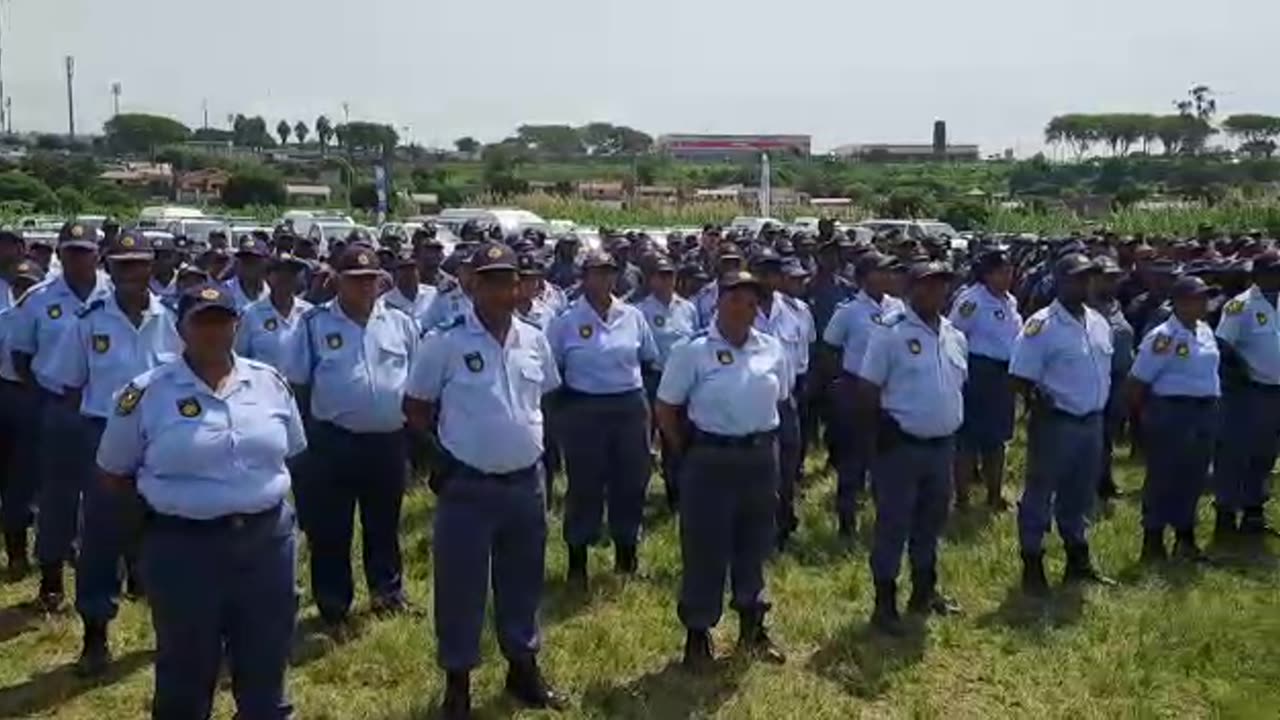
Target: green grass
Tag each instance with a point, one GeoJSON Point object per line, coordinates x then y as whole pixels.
{"type": "Point", "coordinates": [1176, 642]}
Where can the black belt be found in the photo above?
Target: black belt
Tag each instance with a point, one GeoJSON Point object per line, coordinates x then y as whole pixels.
{"type": "Point", "coordinates": [1003, 364]}
{"type": "Point", "coordinates": [569, 393]}
{"type": "Point", "coordinates": [1263, 387]}
{"type": "Point", "coordinates": [235, 521]}
{"type": "Point", "coordinates": [1186, 400]}
{"type": "Point", "coordinates": [1056, 412]}
{"type": "Point", "coordinates": [910, 439]}
{"type": "Point", "coordinates": [506, 477]}
{"type": "Point", "coordinates": [750, 440]}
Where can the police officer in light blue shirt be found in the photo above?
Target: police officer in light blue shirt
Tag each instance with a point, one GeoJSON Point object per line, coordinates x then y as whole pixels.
{"type": "Point", "coordinates": [407, 294]}
{"type": "Point", "coordinates": [113, 340]}
{"type": "Point", "coordinates": [849, 332]}
{"type": "Point", "coordinates": [451, 303]}
{"type": "Point", "coordinates": [204, 439]}
{"type": "Point", "coordinates": [252, 259]}
{"type": "Point", "coordinates": [18, 437]}
{"type": "Point", "coordinates": [728, 381]}
{"type": "Point", "coordinates": [1062, 360]}
{"type": "Point", "coordinates": [1250, 335]}
{"type": "Point", "coordinates": [479, 386]}
{"type": "Point", "coordinates": [1175, 384]}
{"type": "Point", "coordinates": [987, 313]}
{"type": "Point", "coordinates": [534, 304]}
{"type": "Point", "coordinates": [672, 320]}
{"type": "Point", "coordinates": [267, 327]}
{"type": "Point", "coordinates": [910, 390]}
{"type": "Point", "coordinates": [43, 315]}
{"type": "Point", "coordinates": [349, 364]}
{"type": "Point", "coordinates": [601, 345]}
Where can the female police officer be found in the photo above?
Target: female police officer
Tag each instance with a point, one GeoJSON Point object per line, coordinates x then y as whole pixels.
{"type": "Point", "coordinates": [729, 382]}
{"type": "Point", "coordinates": [600, 344]}
{"type": "Point", "coordinates": [205, 437]}
{"type": "Point", "coordinates": [1174, 381]}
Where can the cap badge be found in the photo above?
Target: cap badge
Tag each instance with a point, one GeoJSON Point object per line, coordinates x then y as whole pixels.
{"type": "Point", "coordinates": [209, 294]}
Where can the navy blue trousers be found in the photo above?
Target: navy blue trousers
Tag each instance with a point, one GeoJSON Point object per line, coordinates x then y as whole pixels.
{"type": "Point", "coordinates": [1247, 446]}
{"type": "Point", "coordinates": [350, 471]}
{"type": "Point", "coordinates": [1064, 459]}
{"type": "Point", "coordinates": [605, 439]}
{"type": "Point", "coordinates": [790, 460]}
{"type": "Point", "coordinates": [670, 458]}
{"type": "Point", "coordinates": [1180, 440]}
{"type": "Point", "coordinates": [853, 462]}
{"type": "Point", "coordinates": [67, 442]}
{"type": "Point", "coordinates": [223, 588]}
{"type": "Point", "coordinates": [913, 488]}
{"type": "Point", "coordinates": [728, 503]}
{"type": "Point", "coordinates": [108, 536]}
{"type": "Point", "coordinates": [490, 531]}
{"type": "Point", "coordinates": [19, 438]}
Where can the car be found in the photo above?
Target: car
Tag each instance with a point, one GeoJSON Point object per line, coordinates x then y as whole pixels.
{"type": "Point", "coordinates": [513, 221]}
{"type": "Point", "coordinates": [159, 216]}
{"type": "Point", "coordinates": [197, 230]}
{"type": "Point", "coordinates": [747, 225]}
{"type": "Point", "coordinates": [301, 221]}
{"type": "Point", "coordinates": [913, 229]}
{"type": "Point", "coordinates": [805, 224]}
{"type": "Point", "coordinates": [326, 231]}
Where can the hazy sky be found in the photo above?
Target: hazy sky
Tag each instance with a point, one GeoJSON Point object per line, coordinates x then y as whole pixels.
{"type": "Point", "coordinates": [840, 70]}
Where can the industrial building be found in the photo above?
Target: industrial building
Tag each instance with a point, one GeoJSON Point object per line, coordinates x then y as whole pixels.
{"type": "Point", "coordinates": [920, 152]}
{"type": "Point", "coordinates": [733, 147]}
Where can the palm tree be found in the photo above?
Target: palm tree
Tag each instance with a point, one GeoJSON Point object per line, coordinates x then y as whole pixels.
{"type": "Point", "coordinates": [284, 130]}
{"type": "Point", "coordinates": [324, 131]}
{"type": "Point", "coordinates": [301, 132]}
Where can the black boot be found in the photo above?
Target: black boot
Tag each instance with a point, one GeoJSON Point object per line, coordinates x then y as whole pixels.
{"type": "Point", "coordinates": [847, 527]}
{"type": "Point", "coordinates": [1224, 525]}
{"type": "Point", "coordinates": [1152, 547]}
{"type": "Point", "coordinates": [884, 617]}
{"type": "Point", "coordinates": [133, 580]}
{"type": "Point", "coordinates": [625, 561]}
{"type": "Point", "coordinates": [526, 684]}
{"type": "Point", "coordinates": [926, 599]}
{"type": "Point", "coordinates": [1080, 568]}
{"type": "Point", "coordinates": [457, 695]}
{"type": "Point", "coordinates": [697, 651]}
{"type": "Point", "coordinates": [15, 544]}
{"type": "Point", "coordinates": [1034, 582]}
{"type": "Point", "coordinates": [754, 639]}
{"type": "Point", "coordinates": [1185, 547]}
{"type": "Point", "coordinates": [577, 577]}
{"type": "Point", "coordinates": [1253, 523]}
{"type": "Point", "coordinates": [51, 594]}
{"type": "Point", "coordinates": [96, 655]}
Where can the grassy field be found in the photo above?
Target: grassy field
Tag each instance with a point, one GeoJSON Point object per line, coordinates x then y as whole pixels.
{"type": "Point", "coordinates": [1172, 642]}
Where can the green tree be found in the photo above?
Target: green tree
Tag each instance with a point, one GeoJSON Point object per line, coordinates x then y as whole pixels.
{"type": "Point", "coordinates": [499, 173]}
{"type": "Point", "coordinates": [18, 186]}
{"type": "Point", "coordinates": [284, 130]}
{"type": "Point", "coordinates": [140, 133]}
{"type": "Point", "coordinates": [364, 196]}
{"type": "Point", "coordinates": [908, 202]}
{"type": "Point", "coordinates": [71, 200]}
{"type": "Point", "coordinates": [367, 136]}
{"type": "Point", "coordinates": [301, 131]}
{"type": "Point", "coordinates": [254, 186]}
{"type": "Point", "coordinates": [213, 135]}
{"type": "Point", "coordinates": [324, 132]}
{"type": "Point", "coordinates": [1198, 107]}
{"type": "Point", "coordinates": [1256, 133]}
{"type": "Point", "coordinates": [466, 144]}
{"type": "Point", "coordinates": [251, 132]}
{"type": "Point", "coordinates": [555, 141]}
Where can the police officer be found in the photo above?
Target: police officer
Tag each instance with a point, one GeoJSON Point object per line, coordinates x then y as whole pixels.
{"type": "Point", "coordinates": [267, 327]}
{"type": "Point", "coordinates": [43, 315]}
{"type": "Point", "coordinates": [1102, 297]}
{"type": "Point", "coordinates": [18, 437]}
{"type": "Point", "coordinates": [12, 251]}
{"type": "Point", "coordinates": [1250, 334]}
{"type": "Point", "coordinates": [248, 283]}
{"type": "Point", "coordinates": [987, 313]}
{"type": "Point", "coordinates": [482, 379]}
{"type": "Point", "coordinates": [910, 390]}
{"type": "Point", "coordinates": [408, 294]}
{"type": "Point", "coordinates": [1062, 361]}
{"type": "Point", "coordinates": [534, 303]}
{"type": "Point", "coordinates": [165, 266]}
{"type": "Point", "coordinates": [1175, 381]}
{"type": "Point", "coordinates": [672, 320]}
{"type": "Point", "coordinates": [728, 382]}
{"type": "Point", "coordinates": [848, 333]}
{"type": "Point", "coordinates": [601, 344]}
{"type": "Point", "coordinates": [204, 439]}
{"type": "Point", "coordinates": [349, 365]}
{"type": "Point", "coordinates": [114, 339]}
{"type": "Point", "coordinates": [451, 301]}
{"type": "Point", "coordinates": [428, 250]}
{"type": "Point", "coordinates": [728, 259]}
{"type": "Point", "coordinates": [565, 272]}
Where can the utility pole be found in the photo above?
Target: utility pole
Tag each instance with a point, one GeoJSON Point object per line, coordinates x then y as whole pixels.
{"type": "Point", "coordinates": [8, 115]}
{"type": "Point", "coordinates": [4, 111]}
{"type": "Point", "coordinates": [205, 104]}
{"type": "Point", "coordinates": [116, 89]}
{"type": "Point", "coordinates": [71, 97]}
{"type": "Point", "coordinates": [346, 113]}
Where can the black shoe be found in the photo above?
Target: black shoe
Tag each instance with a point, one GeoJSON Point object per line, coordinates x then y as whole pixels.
{"type": "Point", "coordinates": [925, 598]}
{"type": "Point", "coordinates": [1224, 525]}
{"type": "Point", "coordinates": [1253, 523]}
{"type": "Point", "coordinates": [1185, 548]}
{"type": "Point", "coordinates": [996, 502]}
{"type": "Point", "coordinates": [95, 657]}
{"type": "Point", "coordinates": [1034, 582]}
{"type": "Point", "coordinates": [457, 696]}
{"type": "Point", "coordinates": [15, 544]}
{"type": "Point", "coordinates": [133, 588]}
{"type": "Point", "coordinates": [698, 655]}
{"type": "Point", "coordinates": [389, 605]}
{"type": "Point", "coordinates": [1152, 547]}
{"type": "Point", "coordinates": [885, 617]}
{"type": "Point", "coordinates": [1080, 568]}
{"type": "Point", "coordinates": [847, 527]}
{"type": "Point", "coordinates": [51, 595]}
{"type": "Point", "coordinates": [337, 626]}
{"type": "Point", "coordinates": [753, 638]}
{"type": "Point", "coordinates": [526, 684]}
{"type": "Point", "coordinates": [577, 577]}
{"type": "Point", "coordinates": [625, 561]}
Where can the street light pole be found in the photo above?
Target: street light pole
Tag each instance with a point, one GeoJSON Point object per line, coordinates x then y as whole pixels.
{"type": "Point", "coordinates": [71, 97]}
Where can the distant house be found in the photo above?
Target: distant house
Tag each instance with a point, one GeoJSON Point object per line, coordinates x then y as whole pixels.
{"type": "Point", "coordinates": [307, 195]}
{"type": "Point", "coordinates": [138, 175]}
{"type": "Point", "coordinates": [600, 191]}
{"type": "Point", "coordinates": [201, 186]}
{"type": "Point", "coordinates": [657, 193]}
{"type": "Point", "coordinates": [419, 203]}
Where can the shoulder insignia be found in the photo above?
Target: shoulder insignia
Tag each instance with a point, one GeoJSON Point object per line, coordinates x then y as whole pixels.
{"type": "Point", "coordinates": [1183, 350]}
{"type": "Point", "coordinates": [914, 346]}
{"type": "Point", "coordinates": [101, 343]}
{"type": "Point", "coordinates": [725, 357]}
{"type": "Point", "coordinates": [1033, 327]}
{"type": "Point", "coordinates": [967, 307]}
{"type": "Point", "coordinates": [1235, 307]}
{"type": "Point", "coordinates": [474, 361]}
{"type": "Point", "coordinates": [128, 400]}
{"type": "Point", "coordinates": [526, 320]}
{"type": "Point", "coordinates": [1160, 345]}
{"type": "Point", "coordinates": [1261, 317]}
{"type": "Point", "coordinates": [54, 311]}
{"type": "Point", "coordinates": [87, 309]}
{"type": "Point", "coordinates": [189, 407]}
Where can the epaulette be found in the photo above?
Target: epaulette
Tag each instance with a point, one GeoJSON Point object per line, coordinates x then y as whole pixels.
{"type": "Point", "coordinates": [451, 323]}
{"type": "Point", "coordinates": [270, 370]}
{"type": "Point", "coordinates": [526, 321]}
{"type": "Point", "coordinates": [314, 310]}
{"type": "Point", "coordinates": [447, 285]}
{"type": "Point", "coordinates": [91, 307]}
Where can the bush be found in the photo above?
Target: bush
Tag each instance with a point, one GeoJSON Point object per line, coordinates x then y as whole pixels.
{"type": "Point", "coordinates": [22, 187]}
{"type": "Point", "coordinates": [254, 187]}
{"type": "Point", "coordinates": [71, 200]}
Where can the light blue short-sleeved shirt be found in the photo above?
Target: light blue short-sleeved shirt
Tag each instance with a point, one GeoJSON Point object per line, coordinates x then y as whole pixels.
{"type": "Point", "coordinates": [808, 330]}
{"type": "Point", "coordinates": [920, 373]}
{"type": "Point", "coordinates": [705, 301]}
{"type": "Point", "coordinates": [356, 373]}
{"type": "Point", "coordinates": [242, 298]}
{"type": "Point", "coordinates": [45, 313]}
{"type": "Point", "coordinates": [854, 323]}
{"type": "Point", "coordinates": [670, 323]}
{"type": "Point", "coordinates": [1250, 325]}
{"type": "Point", "coordinates": [1067, 358]}
{"type": "Point", "coordinates": [788, 326]}
{"type": "Point", "coordinates": [602, 356]}
{"type": "Point", "coordinates": [7, 370]}
{"type": "Point", "coordinates": [489, 395]}
{"type": "Point", "coordinates": [201, 453]}
{"type": "Point", "coordinates": [446, 308]}
{"type": "Point", "coordinates": [266, 335]}
{"type": "Point", "coordinates": [727, 390]}
{"type": "Point", "coordinates": [415, 308]}
{"type": "Point", "coordinates": [990, 323]}
{"type": "Point", "coordinates": [540, 314]}
{"type": "Point", "coordinates": [1177, 361]}
{"type": "Point", "coordinates": [102, 351]}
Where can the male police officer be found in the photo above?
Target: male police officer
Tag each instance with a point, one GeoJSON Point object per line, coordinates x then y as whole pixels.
{"type": "Point", "coordinates": [910, 391]}
{"type": "Point", "coordinates": [19, 424]}
{"type": "Point", "coordinates": [249, 283]}
{"type": "Point", "coordinates": [486, 377]}
{"type": "Point", "coordinates": [1062, 360]}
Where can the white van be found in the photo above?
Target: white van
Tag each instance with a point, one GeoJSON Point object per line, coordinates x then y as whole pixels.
{"type": "Point", "coordinates": [158, 216]}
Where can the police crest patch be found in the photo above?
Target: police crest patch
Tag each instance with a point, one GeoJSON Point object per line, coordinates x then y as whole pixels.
{"type": "Point", "coordinates": [1183, 350]}
{"type": "Point", "coordinates": [189, 407]}
{"type": "Point", "coordinates": [586, 331]}
{"type": "Point", "coordinates": [1261, 317]}
{"type": "Point", "coordinates": [659, 320]}
{"type": "Point", "coordinates": [1033, 327]}
{"type": "Point", "coordinates": [101, 343]}
{"type": "Point", "coordinates": [474, 361]}
{"type": "Point", "coordinates": [1160, 345]}
{"type": "Point", "coordinates": [333, 340]}
{"type": "Point", "coordinates": [128, 400]}
{"type": "Point", "coordinates": [914, 346]}
{"type": "Point", "coordinates": [725, 357]}
{"type": "Point", "coordinates": [54, 311]}
{"type": "Point", "coordinates": [1000, 314]}
{"type": "Point", "coordinates": [1235, 307]}
{"type": "Point", "coordinates": [967, 308]}
{"type": "Point", "coordinates": [270, 324]}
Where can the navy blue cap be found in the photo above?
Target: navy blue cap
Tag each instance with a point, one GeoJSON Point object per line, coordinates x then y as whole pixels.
{"type": "Point", "coordinates": [1161, 266]}
{"type": "Point", "coordinates": [253, 245]}
{"type": "Point", "coordinates": [530, 264]}
{"type": "Point", "coordinates": [1107, 265]}
{"type": "Point", "coordinates": [287, 261]}
{"type": "Point", "coordinates": [930, 269]}
{"type": "Point", "coordinates": [729, 251]}
{"type": "Point", "coordinates": [1073, 264]}
{"type": "Point", "coordinates": [766, 259]}
{"type": "Point", "coordinates": [493, 256]}
{"type": "Point", "coordinates": [358, 259]}
{"type": "Point", "coordinates": [10, 236]}
{"type": "Point", "coordinates": [873, 261]}
{"type": "Point", "coordinates": [29, 270]}
{"type": "Point", "coordinates": [204, 296]}
{"type": "Point", "coordinates": [75, 235]}
{"type": "Point", "coordinates": [189, 269]}
{"type": "Point", "coordinates": [1267, 262]}
{"type": "Point", "coordinates": [694, 270]}
{"type": "Point", "coordinates": [661, 264]}
{"type": "Point", "coordinates": [1190, 286]}
{"type": "Point", "coordinates": [794, 268]}
{"type": "Point", "coordinates": [164, 243]}
{"type": "Point", "coordinates": [130, 245]}
{"type": "Point", "coordinates": [735, 279]}
{"type": "Point", "coordinates": [598, 259]}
